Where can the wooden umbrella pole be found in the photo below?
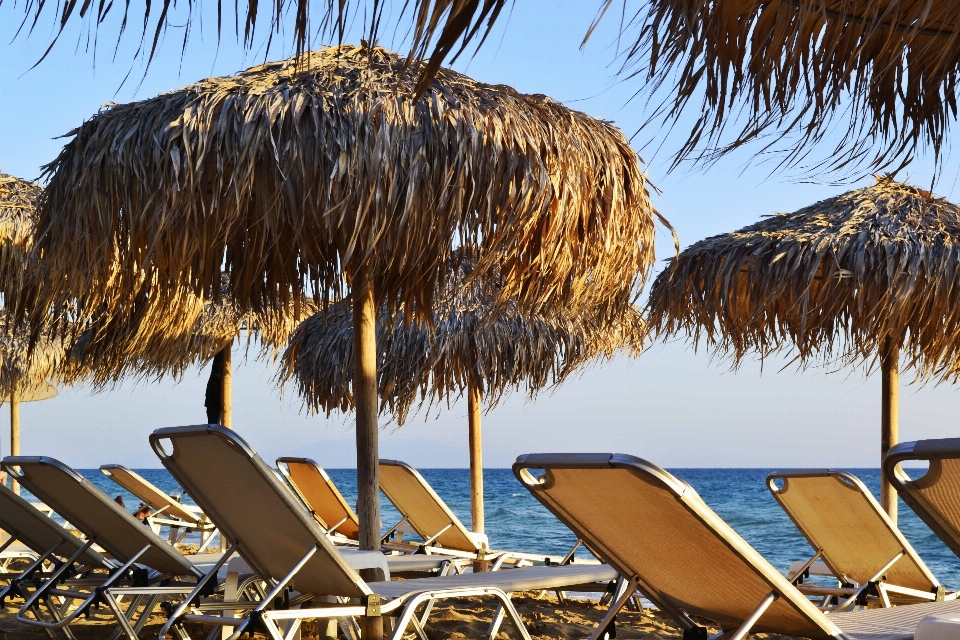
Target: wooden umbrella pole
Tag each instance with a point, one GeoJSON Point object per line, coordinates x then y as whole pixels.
{"type": "Point", "coordinates": [365, 397]}
{"type": "Point", "coordinates": [226, 387]}
{"type": "Point", "coordinates": [476, 458]}
{"type": "Point", "coordinates": [889, 418]}
{"type": "Point", "coordinates": [14, 433]}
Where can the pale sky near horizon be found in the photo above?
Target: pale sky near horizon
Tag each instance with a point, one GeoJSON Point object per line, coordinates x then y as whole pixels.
{"type": "Point", "coordinates": [672, 406]}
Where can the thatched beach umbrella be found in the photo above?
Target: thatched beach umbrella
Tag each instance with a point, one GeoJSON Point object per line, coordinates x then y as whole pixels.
{"type": "Point", "coordinates": [785, 72]}
{"type": "Point", "coordinates": [314, 177]}
{"type": "Point", "coordinates": [868, 275]}
{"type": "Point", "coordinates": [473, 348]}
{"type": "Point", "coordinates": [145, 346]}
{"type": "Point", "coordinates": [25, 374]}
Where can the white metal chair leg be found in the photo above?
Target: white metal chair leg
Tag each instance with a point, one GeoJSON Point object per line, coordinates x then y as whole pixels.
{"type": "Point", "coordinates": [622, 593]}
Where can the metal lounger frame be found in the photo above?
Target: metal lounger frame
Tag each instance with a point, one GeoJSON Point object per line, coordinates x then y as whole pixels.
{"type": "Point", "coordinates": [127, 579]}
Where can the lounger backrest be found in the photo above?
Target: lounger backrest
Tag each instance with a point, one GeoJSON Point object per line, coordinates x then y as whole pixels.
{"type": "Point", "coordinates": [838, 514]}
{"type": "Point", "coordinates": [935, 496]}
{"type": "Point", "coordinates": [425, 511]}
{"type": "Point", "coordinates": [148, 492]}
{"type": "Point", "coordinates": [248, 503]}
{"type": "Point", "coordinates": [95, 515]}
{"type": "Point", "coordinates": [651, 526]}
{"type": "Point", "coordinates": [36, 530]}
{"type": "Point", "coordinates": [320, 495]}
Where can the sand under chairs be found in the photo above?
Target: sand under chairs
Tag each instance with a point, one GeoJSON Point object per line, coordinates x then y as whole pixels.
{"type": "Point", "coordinates": [282, 543]}
{"type": "Point", "coordinates": [855, 538]}
{"type": "Point", "coordinates": [659, 534]}
{"type": "Point", "coordinates": [181, 518]}
{"type": "Point", "coordinates": [44, 542]}
{"type": "Point", "coordinates": [142, 560]}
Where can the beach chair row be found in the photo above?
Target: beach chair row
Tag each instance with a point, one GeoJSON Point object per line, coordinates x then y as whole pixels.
{"type": "Point", "coordinates": [655, 535]}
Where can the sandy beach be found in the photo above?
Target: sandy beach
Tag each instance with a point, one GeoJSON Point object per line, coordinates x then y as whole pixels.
{"type": "Point", "coordinates": [545, 617]}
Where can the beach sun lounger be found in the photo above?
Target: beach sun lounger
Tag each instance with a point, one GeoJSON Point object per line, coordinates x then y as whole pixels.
{"type": "Point", "coordinates": [935, 495]}
{"type": "Point", "coordinates": [660, 536]}
{"type": "Point", "coordinates": [281, 542]}
{"type": "Point", "coordinates": [143, 560]}
{"type": "Point", "coordinates": [422, 510]}
{"type": "Point", "coordinates": [44, 541]}
{"type": "Point", "coordinates": [852, 534]}
{"type": "Point", "coordinates": [167, 512]}
{"type": "Point", "coordinates": [320, 495]}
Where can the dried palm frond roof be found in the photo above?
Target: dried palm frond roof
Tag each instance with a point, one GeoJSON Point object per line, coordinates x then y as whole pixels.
{"type": "Point", "coordinates": [19, 200]}
{"type": "Point", "coordinates": [790, 73]}
{"type": "Point", "coordinates": [471, 343]}
{"type": "Point", "coordinates": [141, 344]}
{"type": "Point", "coordinates": [21, 369]}
{"type": "Point", "coordinates": [290, 179]}
{"type": "Point", "coordinates": [834, 279]}
{"type": "Point", "coordinates": [27, 368]}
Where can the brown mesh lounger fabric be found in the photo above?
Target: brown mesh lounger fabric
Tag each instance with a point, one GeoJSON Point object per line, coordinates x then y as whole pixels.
{"type": "Point", "coordinates": [421, 507]}
{"type": "Point", "coordinates": [935, 496]}
{"type": "Point", "coordinates": [279, 539]}
{"type": "Point", "coordinates": [658, 533]}
{"type": "Point", "coordinates": [320, 495]}
{"type": "Point", "coordinates": [849, 530]}
{"type": "Point", "coordinates": [143, 558]}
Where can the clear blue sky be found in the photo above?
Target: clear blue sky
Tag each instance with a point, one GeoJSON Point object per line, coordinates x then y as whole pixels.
{"type": "Point", "coordinates": [672, 406]}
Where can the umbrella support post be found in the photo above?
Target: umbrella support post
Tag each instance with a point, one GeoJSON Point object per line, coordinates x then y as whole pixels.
{"type": "Point", "coordinates": [226, 387]}
{"type": "Point", "coordinates": [889, 419]}
{"type": "Point", "coordinates": [476, 459]}
{"type": "Point", "coordinates": [14, 434]}
{"type": "Point", "coordinates": [365, 398]}
{"type": "Point", "coordinates": [476, 466]}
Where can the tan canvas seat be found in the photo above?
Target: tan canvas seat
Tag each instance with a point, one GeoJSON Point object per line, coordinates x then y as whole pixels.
{"type": "Point", "coordinates": [659, 534]}
{"type": "Point", "coordinates": [933, 495]}
{"type": "Point", "coordinates": [321, 496]}
{"type": "Point", "coordinates": [852, 534]}
{"type": "Point", "coordinates": [143, 560]}
{"type": "Point", "coordinates": [180, 518]}
{"type": "Point", "coordinates": [281, 542]}
{"type": "Point", "coordinates": [424, 511]}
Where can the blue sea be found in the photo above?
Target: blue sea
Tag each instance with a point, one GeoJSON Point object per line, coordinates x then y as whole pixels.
{"type": "Point", "coordinates": [515, 520]}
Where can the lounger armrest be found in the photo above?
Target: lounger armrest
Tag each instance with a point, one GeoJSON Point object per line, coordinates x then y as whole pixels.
{"type": "Point", "coordinates": [480, 538]}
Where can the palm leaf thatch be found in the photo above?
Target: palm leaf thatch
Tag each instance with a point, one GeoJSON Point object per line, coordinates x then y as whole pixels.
{"type": "Point", "coordinates": [19, 200]}
{"type": "Point", "coordinates": [21, 369]}
{"type": "Point", "coordinates": [444, 21]}
{"type": "Point", "coordinates": [790, 73]}
{"type": "Point", "coordinates": [290, 180]}
{"type": "Point", "coordinates": [146, 346]}
{"type": "Point", "coordinates": [832, 280]}
{"type": "Point", "coordinates": [471, 343]}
